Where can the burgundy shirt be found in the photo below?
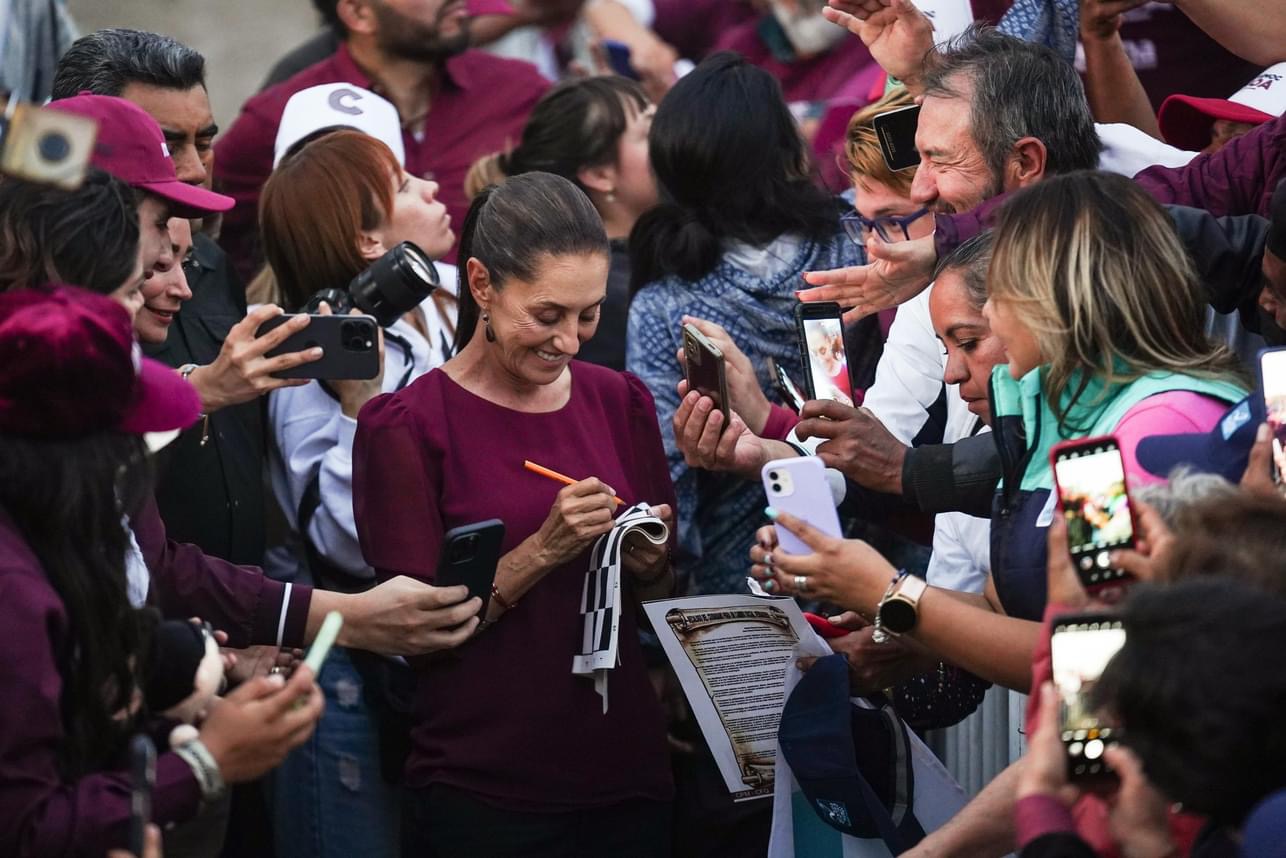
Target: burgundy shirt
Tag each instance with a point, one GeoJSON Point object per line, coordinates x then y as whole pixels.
{"type": "Point", "coordinates": [40, 813]}
{"type": "Point", "coordinates": [502, 716]}
{"type": "Point", "coordinates": [479, 107]}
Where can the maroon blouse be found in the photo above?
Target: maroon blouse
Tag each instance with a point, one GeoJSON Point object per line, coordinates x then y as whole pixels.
{"type": "Point", "coordinates": [502, 716]}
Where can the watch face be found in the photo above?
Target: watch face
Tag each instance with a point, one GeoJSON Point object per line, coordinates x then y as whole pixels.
{"type": "Point", "coordinates": [897, 615]}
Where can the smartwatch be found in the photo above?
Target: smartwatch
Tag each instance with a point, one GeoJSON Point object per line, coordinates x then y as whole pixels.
{"type": "Point", "coordinates": [899, 612]}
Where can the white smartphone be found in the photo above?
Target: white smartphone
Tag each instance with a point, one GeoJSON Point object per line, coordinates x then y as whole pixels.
{"type": "Point", "coordinates": [324, 641]}
{"type": "Point", "coordinates": [798, 486]}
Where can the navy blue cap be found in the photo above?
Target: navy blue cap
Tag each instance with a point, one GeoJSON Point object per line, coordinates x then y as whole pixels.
{"type": "Point", "coordinates": [863, 789]}
{"type": "Point", "coordinates": [1223, 450]}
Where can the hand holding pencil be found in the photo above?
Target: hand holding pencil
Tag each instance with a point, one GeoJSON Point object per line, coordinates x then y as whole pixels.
{"type": "Point", "coordinates": [583, 511]}
{"type": "Point", "coordinates": [557, 477]}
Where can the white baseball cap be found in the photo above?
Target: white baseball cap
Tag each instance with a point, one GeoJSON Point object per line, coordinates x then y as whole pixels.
{"type": "Point", "coordinates": [1185, 121]}
{"type": "Point", "coordinates": [338, 105]}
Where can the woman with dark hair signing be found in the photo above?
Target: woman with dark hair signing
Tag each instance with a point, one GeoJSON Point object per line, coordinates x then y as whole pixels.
{"type": "Point", "coordinates": [511, 753]}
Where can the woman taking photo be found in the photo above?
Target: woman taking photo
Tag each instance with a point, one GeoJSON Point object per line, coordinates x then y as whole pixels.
{"type": "Point", "coordinates": [738, 224]}
{"type": "Point", "coordinates": [1099, 313]}
{"type": "Point", "coordinates": [327, 212]}
{"type": "Point", "coordinates": [594, 132]}
{"type": "Point", "coordinates": [511, 753]}
{"type": "Point", "coordinates": [75, 400]}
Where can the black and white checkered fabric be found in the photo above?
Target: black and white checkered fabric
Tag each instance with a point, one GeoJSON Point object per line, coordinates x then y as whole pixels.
{"type": "Point", "coordinates": [601, 597]}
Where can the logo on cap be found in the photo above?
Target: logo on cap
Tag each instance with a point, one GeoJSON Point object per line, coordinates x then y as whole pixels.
{"type": "Point", "coordinates": [1265, 81]}
{"type": "Point", "coordinates": [834, 812]}
{"type": "Point", "coordinates": [337, 104]}
{"type": "Point", "coordinates": [165, 149]}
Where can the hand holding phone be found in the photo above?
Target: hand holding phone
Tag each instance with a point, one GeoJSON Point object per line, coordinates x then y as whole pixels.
{"type": "Point", "coordinates": [705, 369]}
{"type": "Point", "coordinates": [1089, 477]}
{"type": "Point", "coordinates": [895, 131]}
{"type": "Point", "coordinates": [799, 487]}
{"type": "Point", "coordinates": [1081, 645]}
{"type": "Point", "coordinates": [786, 387]}
{"type": "Point", "coordinates": [350, 346]}
{"type": "Point", "coordinates": [1272, 385]}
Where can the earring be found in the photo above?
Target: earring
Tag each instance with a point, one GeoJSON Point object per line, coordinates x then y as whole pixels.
{"type": "Point", "coordinates": [611, 195]}
{"type": "Point", "coordinates": [486, 330]}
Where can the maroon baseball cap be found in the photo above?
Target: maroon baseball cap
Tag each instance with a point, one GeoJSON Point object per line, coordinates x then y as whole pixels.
{"type": "Point", "coordinates": [70, 367]}
{"type": "Point", "coordinates": [132, 148]}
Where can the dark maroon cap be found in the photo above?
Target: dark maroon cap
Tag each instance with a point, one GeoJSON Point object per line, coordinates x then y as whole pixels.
{"type": "Point", "coordinates": [70, 367]}
{"type": "Point", "coordinates": [132, 148]}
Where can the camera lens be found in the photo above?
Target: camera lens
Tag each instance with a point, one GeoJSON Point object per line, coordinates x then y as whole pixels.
{"type": "Point", "coordinates": [357, 344]}
{"type": "Point", "coordinates": [776, 487]}
{"type": "Point", "coordinates": [54, 146]}
{"type": "Point", "coordinates": [772, 475]}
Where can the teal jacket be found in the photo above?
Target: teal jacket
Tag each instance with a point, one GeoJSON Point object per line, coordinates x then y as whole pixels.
{"type": "Point", "coordinates": [1025, 430]}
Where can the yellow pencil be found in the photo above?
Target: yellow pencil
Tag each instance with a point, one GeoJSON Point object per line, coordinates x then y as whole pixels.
{"type": "Point", "coordinates": [554, 475]}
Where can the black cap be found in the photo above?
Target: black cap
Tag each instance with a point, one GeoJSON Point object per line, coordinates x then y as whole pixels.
{"type": "Point", "coordinates": [177, 649]}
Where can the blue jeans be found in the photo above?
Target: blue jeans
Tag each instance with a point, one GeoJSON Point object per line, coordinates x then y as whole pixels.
{"type": "Point", "coordinates": [328, 797]}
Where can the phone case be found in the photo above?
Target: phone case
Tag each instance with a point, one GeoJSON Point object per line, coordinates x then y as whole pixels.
{"type": "Point", "coordinates": [705, 369]}
{"type": "Point", "coordinates": [470, 554]}
{"type": "Point", "coordinates": [1093, 566]}
{"type": "Point", "coordinates": [798, 486]}
{"type": "Point", "coordinates": [350, 347]}
{"type": "Point", "coordinates": [895, 131]}
{"type": "Point", "coordinates": [815, 311]}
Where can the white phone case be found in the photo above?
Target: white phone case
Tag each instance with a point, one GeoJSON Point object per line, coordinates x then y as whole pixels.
{"type": "Point", "coordinates": [798, 486]}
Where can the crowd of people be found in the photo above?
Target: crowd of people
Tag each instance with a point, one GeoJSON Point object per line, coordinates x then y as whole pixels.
{"type": "Point", "coordinates": [1091, 244]}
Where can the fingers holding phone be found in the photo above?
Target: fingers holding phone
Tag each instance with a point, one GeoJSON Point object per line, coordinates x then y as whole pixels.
{"type": "Point", "coordinates": [250, 731]}
{"type": "Point", "coordinates": [353, 393]}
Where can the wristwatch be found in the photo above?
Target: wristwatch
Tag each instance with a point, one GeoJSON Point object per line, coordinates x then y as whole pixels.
{"type": "Point", "coordinates": [899, 611]}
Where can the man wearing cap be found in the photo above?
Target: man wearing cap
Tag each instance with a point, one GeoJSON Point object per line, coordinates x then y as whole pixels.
{"type": "Point", "coordinates": [211, 487]}
{"type": "Point", "coordinates": [454, 104]}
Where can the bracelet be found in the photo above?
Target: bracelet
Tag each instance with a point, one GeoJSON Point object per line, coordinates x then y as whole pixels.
{"type": "Point", "coordinates": [204, 768]}
{"type": "Point", "coordinates": [185, 372]}
{"type": "Point", "coordinates": [500, 600]}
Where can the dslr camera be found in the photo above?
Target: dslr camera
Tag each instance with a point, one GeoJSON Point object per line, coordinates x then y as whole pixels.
{"type": "Point", "coordinates": [394, 284]}
{"type": "Point", "coordinates": [46, 146]}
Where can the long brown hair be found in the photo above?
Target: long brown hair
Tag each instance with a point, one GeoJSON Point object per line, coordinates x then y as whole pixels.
{"type": "Point", "coordinates": [1092, 265]}
{"type": "Point", "coordinates": [316, 205]}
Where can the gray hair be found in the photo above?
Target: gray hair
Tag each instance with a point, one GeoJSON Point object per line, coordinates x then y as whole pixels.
{"type": "Point", "coordinates": [107, 61]}
{"type": "Point", "coordinates": [971, 260]}
{"type": "Point", "coordinates": [1019, 89]}
{"type": "Point", "coordinates": [1187, 487]}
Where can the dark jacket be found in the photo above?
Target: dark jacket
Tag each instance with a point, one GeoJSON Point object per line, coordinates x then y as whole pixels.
{"type": "Point", "coordinates": [212, 495]}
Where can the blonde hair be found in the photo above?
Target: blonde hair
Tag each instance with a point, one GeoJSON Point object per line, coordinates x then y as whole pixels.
{"type": "Point", "coordinates": [862, 147]}
{"type": "Point", "coordinates": [1093, 267]}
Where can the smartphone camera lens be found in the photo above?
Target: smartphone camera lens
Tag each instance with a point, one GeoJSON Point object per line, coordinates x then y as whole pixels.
{"type": "Point", "coordinates": [355, 337]}
{"type": "Point", "coordinates": [772, 475]}
{"type": "Point", "coordinates": [464, 548]}
{"type": "Point", "coordinates": [776, 487]}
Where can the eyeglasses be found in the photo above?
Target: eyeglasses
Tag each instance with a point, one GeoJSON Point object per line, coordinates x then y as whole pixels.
{"type": "Point", "coordinates": [888, 227]}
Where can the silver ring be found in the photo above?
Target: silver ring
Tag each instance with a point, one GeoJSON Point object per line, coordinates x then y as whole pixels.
{"type": "Point", "coordinates": [276, 669]}
{"type": "Point", "coordinates": [801, 583]}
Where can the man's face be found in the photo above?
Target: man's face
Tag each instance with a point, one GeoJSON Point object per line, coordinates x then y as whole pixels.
{"type": "Point", "coordinates": [421, 30]}
{"type": "Point", "coordinates": [188, 125]}
{"type": "Point", "coordinates": [953, 176]}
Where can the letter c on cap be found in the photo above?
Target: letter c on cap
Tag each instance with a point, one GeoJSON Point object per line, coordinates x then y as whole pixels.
{"type": "Point", "coordinates": [337, 102]}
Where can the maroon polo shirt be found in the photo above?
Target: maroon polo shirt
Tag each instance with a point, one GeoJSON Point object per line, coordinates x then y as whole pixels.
{"type": "Point", "coordinates": [479, 106]}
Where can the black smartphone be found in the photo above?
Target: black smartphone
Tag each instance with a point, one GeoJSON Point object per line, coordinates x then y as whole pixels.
{"type": "Point", "coordinates": [142, 755]}
{"type": "Point", "coordinates": [821, 346]}
{"type": "Point", "coordinates": [470, 554]}
{"type": "Point", "coordinates": [896, 132]}
{"type": "Point", "coordinates": [350, 346]}
{"type": "Point", "coordinates": [705, 368]}
{"type": "Point", "coordinates": [1081, 645]}
{"type": "Point", "coordinates": [1089, 476]}
{"type": "Point", "coordinates": [1272, 384]}
{"type": "Point", "coordinates": [786, 386]}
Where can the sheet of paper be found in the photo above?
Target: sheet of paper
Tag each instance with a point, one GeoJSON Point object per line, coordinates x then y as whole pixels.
{"type": "Point", "coordinates": [730, 653]}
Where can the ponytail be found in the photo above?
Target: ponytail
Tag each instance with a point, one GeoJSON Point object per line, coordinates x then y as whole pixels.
{"type": "Point", "coordinates": [488, 170]}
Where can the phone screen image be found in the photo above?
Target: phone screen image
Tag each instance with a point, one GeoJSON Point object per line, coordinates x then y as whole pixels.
{"type": "Point", "coordinates": [1096, 506]}
{"type": "Point", "coordinates": [1080, 649]}
{"type": "Point", "coordinates": [827, 360]}
{"type": "Point", "coordinates": [1272, 373]}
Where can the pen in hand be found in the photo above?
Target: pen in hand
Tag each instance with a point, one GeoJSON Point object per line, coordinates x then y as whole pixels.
{"type": "Point", "coordinates": [554, 475]}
